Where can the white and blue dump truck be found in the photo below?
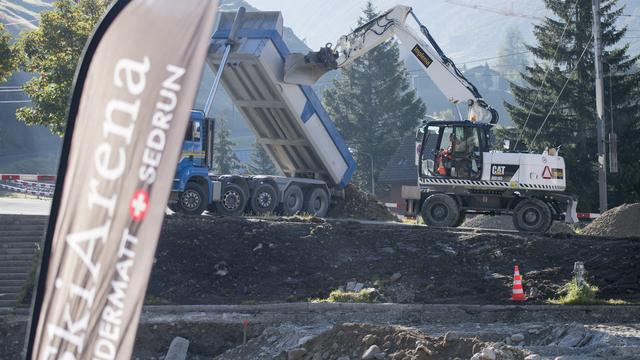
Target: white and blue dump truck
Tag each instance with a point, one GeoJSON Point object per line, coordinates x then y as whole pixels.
{"type": "Point", "coordinates": [247, 52]}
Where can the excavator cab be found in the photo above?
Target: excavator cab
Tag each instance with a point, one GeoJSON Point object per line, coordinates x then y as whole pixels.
{"type": "Point", "coordinates": [453, 149]}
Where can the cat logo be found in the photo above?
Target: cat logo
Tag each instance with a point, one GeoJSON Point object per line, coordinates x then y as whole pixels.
{"type": "Point", "coordinates": [497, 170]}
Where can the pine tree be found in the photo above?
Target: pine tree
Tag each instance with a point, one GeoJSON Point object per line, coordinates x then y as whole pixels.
{"type": "Point", "coordinates": [373, 106]}
{"type": "Point", "coordinates": [7, 55]}
{"type": "Point", "coordinates": [572, 122]}
{"type": "Point", "coordinates": [225, 159]}
{"type": "Point", "coordinates": [261, 163]}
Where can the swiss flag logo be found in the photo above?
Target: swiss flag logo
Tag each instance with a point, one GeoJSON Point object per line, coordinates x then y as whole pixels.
{"type": "Point", "coordinates": [139, 205]}
{"type": "Point", "coordinates": [546, 174]}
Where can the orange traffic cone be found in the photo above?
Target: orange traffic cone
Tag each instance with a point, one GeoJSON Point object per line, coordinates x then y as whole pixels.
{"type": "Point", "coordinates": [518, 292]}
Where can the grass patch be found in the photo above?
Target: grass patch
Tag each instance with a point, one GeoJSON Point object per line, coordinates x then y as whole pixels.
{"type": "Point", "coordinates": [412, 221]}
{"type": "Point", "coordinates": [341, 296]}
{"type": "Point", "coordinates": [155, 300]}
{"type": "Point", "coordinates": [303, 216]}
{"type": "Point", "coordinates": [26, 293]}
{"type": "Point", "coordinates": [574, 294]}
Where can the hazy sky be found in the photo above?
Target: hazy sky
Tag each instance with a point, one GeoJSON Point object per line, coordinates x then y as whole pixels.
{"type": "Point", "coordinates": [324, 21]}
{"type": "Point", "coordinates": [468, 30]}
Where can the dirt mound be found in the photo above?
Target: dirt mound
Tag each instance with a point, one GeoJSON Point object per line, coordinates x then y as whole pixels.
{"type": "Point", "coordinates": [504, 222]}
{"type": "Point", "coordinates": [215, 260]}
{"type": "Point", "coordinates": [489, 222]}
{"type": "Point", "coordinates": [623, 221]}
{"type": "Point", "coordinates": [363, 341]}
{"type": "Point", "coordinates": [358, 204]}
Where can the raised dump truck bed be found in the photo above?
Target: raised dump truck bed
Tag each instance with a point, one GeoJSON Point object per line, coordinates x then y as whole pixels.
{"type": "Point", "coordinates": [288, 120]}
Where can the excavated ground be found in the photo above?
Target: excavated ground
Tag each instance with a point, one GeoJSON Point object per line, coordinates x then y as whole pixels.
{"type": "Point", "coordinates": [357, 341]}
{"type": "Point", "coordinates": [209, 260]}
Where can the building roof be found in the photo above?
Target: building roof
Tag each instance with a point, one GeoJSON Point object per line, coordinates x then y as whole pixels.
{"type": "Point", "coordinates": [402, 166]}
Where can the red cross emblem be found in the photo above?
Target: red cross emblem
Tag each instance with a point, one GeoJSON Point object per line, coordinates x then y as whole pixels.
{"type": "Point", "coordinates": [139, 205]}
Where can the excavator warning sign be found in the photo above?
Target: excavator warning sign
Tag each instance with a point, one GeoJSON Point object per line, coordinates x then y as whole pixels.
{"type": "Point", "coordinates": [546, 174]}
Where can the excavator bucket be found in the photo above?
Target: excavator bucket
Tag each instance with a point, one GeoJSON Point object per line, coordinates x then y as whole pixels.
{"type": "Point", "coordinates": [302, 69]}
{"type": "Point", "coordinates": [299, 70]}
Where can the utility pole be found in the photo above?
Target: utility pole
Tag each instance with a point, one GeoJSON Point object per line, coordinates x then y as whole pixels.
{"type": "Point", "coordinates": [602, 164]}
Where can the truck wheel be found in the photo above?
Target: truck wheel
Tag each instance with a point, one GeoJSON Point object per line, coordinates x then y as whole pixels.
{"type": "Point", "coordinates": [317, 202]}
{"type": "Point", "coordinates": [440, 210]}
{"type": "Point", "coordinates": [264, 200]}
{"type": "Point", "coordinates": [532, 215]}
{"type": "Point", "coordinates": [292, 200]}
{"type": "Point", "coordinates": [232, 202]}
{"type": "Point", "coordinates": [193, 200]}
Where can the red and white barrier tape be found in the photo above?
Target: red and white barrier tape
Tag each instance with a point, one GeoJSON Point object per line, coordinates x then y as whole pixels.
{"type": "Point", "coordinates": [588, 216]}
{"type": "Point", "coordinates": [28, 177]}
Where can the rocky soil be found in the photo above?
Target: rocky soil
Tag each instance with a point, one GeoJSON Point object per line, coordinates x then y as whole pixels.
{"type": "Point", "coordinates": [529, 341]}
{"type": "Point", "coordinates": [208, 260]}
{"type": "Point", "coordinates": [370, 342]}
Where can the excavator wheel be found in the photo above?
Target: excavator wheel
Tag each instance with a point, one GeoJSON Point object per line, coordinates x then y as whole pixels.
{"type": "Point", "coordinates": [440, 210]}
{"type": "Point", "coordinates": [532, 215]}
{"type": "Point", "coordinates": [461, 219]}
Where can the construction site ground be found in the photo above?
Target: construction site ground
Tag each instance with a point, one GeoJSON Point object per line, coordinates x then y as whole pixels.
{"type": "Point", "coordinates": [213, 260]}
{"type": "Point", "coordinates": [338, 331]}
{"type": "Point", "coordinates": [212, 273]}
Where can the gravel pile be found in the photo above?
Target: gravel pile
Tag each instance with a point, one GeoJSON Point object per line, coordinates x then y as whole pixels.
{"type": "Point", "coordinates": [489, 222]}
{"type": "Point", "coordinates": [623, 221]}
{"type": "Point", "coordinates": [363, 341]}
{"type": "Point", "coordinates": [505, 222]}
{"type": "Point", "coordinates": [358, 204]}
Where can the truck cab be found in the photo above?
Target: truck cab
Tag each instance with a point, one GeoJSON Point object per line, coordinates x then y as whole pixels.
{"type": "Point", "coordinates": [193, 186]}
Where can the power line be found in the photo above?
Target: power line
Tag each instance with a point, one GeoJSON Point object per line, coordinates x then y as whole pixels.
{"type": "Point", "coordinates": [15, 102]}
{"type": "Point", "coordinates": [495, 57]}
{"type": "Point", "coordinates": [22, 22]}
{"type": "Point", "coordinates": [11, 90]}
{"type": "Point", "coordinates": [544, 79]}
{"type": "Point", "coordinates": [561, 91]}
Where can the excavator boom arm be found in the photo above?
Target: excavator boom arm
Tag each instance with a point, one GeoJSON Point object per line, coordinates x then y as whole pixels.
{"type": "Point", "coordinates": [307, 69]}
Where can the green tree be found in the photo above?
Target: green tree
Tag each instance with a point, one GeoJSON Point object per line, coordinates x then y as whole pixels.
{"type": "Point", "coordinates": [572, 121]}
{"type": "Point", "coordinates": [52, 52]}
{"type": "Point", "coordinates": [261, 163]}
{"type": "Point", "coordinates": [7, 55]}
{"type": "Point", "coordinates": [373, 105]}
{"type": "Point", "coordinates": [224, 158]}
{"type": "Point", "coordinates": [513, 56]}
